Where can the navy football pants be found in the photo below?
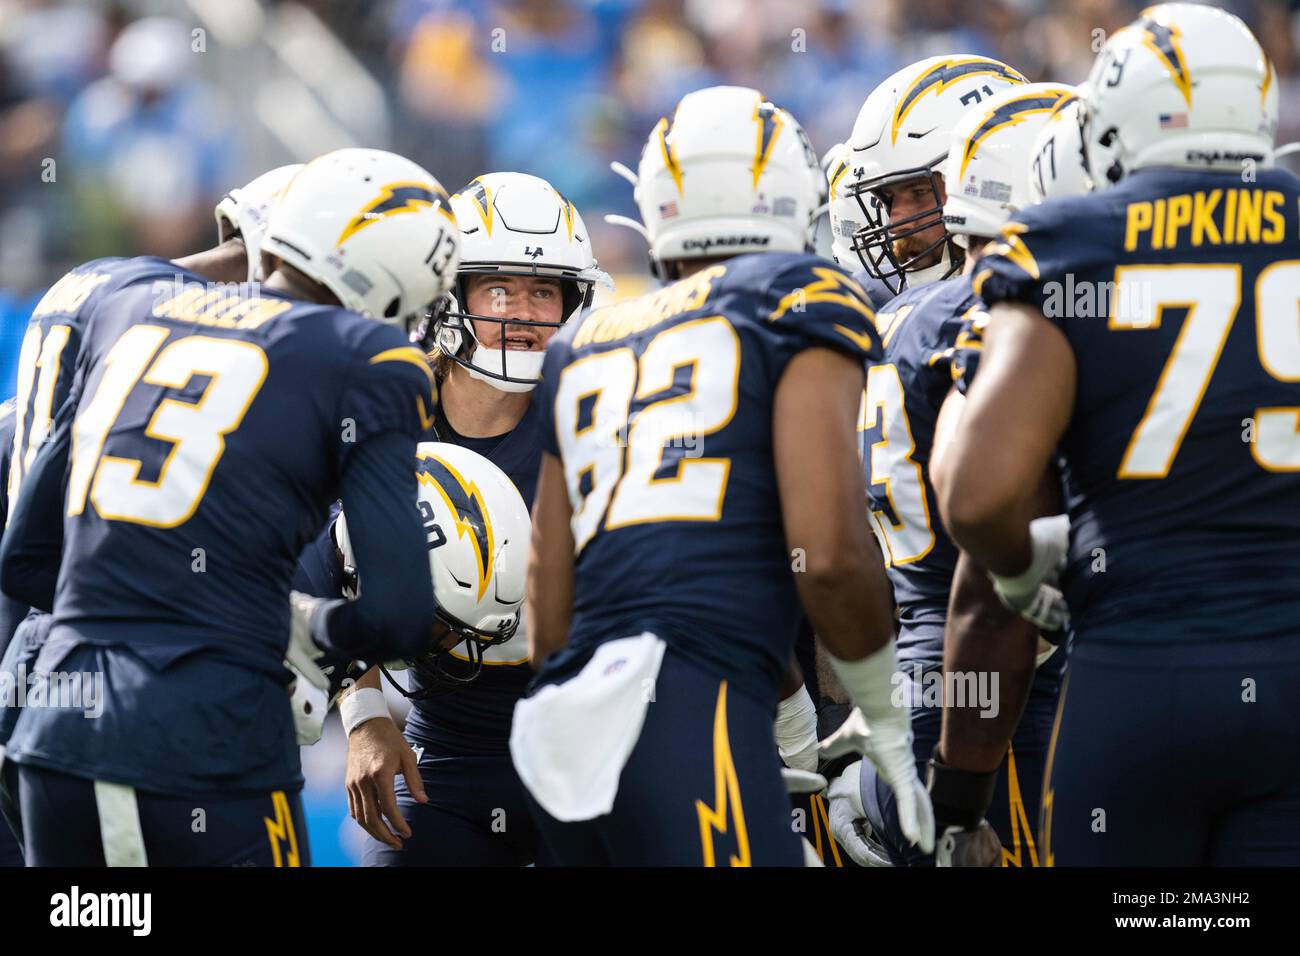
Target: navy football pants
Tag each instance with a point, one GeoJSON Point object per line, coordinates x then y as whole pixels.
{"type": "Point", "coordinates": [476, 815]}
{"type": "Point", "coordinates": [63, 825]}
{"type": "Point", "coordinates": [11, 853]}
{"type": "Point", "coordinates": [1172, 764]}
{"type": "Point", "coordinates": [701, 787]}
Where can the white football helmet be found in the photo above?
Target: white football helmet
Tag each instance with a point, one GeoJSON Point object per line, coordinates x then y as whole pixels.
{"type": "Point", "coordinates": [1059, 166]}
{"type": "Point", "coordinates": [1183, 85]}
{"type": "Point", "coordinates": [729, 173]}
{"type": "Point", "coordinates": [513, 224]}
{"type": "Point", "coordinates": [841, 208]}
{"type": "Point", "coordinates": [374, 228]}
{"type": "Point", "coordinates": [243, 213]}
{"type": "Point", "coordinates": [478, 530]}
{"type": "Point", "coordinates": [902, 133]}
{"type": "Point", "coordinates": [985, 169]}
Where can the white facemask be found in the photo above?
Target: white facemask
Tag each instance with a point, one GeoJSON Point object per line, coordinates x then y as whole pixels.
{"type": "Point", "coordinates": [522, 365]}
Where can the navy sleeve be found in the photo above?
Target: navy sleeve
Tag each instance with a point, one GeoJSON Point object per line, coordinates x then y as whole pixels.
{"type": "Point", "coordinates": [1034, 254]}
{"type": "Point", "coordinates": [394, 615]}
{"type": "Point", "coordinates": [33, 538]}
{"type": "Point", "coordinates": [558, 354]}
{"type": "Point", "coordinates": [812, 303]}
{"type": "Point", "coordinates": [390, 389]}
{"type": "Point", "coordinates": [968, 349]}
{"type": "Point", "coordinates": [318, 572]}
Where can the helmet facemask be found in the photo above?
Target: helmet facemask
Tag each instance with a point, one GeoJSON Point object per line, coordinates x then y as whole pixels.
{"type": "Point", "coordinates": [442, 672]}
{"type": "Point", "coordinates": [451, 327]}
{"type": "Point", "coordinates": [874, 242]}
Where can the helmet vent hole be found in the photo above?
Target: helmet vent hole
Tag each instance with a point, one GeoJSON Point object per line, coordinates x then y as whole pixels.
{"type": "Point", "coordinates": [393, 308]}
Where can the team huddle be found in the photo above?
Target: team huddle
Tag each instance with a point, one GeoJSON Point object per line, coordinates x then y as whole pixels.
{"type": "Point", "coordinates": [1031, 580]}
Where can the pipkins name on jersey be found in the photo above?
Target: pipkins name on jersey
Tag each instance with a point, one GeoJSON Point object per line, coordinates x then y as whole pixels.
{"type": "Point", "coordinates": [1216, 217]}
{"type": "Point", "coordinates": [103, 909]}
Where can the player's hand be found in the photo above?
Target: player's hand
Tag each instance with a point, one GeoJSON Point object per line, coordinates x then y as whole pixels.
{"type": "Point", "coordinates": [1045, 608]}
{"type": "Point", "coordinates": [377, 753]}
{"type": "Point", "coordinates": [802, 781]}
{"type": "Point", "coordinates": [887, 743]}
{"type": "Point", "coordinates": [961, 847]}
{"type": "Point", "coordinates": [1032, 593]}
{"type": "Point", "coordinates": [961, 799]}
{"type": "Point", "coordinates": [848, 820]}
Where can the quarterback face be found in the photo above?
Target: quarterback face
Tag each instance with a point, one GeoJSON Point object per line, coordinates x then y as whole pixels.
{"type": "Point", "coordinates": [911, 198]}
{"type": "Point", "coordinates": [530, 298]}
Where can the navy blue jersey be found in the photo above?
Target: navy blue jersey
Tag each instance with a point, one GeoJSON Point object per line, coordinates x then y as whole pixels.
{"type": "Point", "coordinates": [905, 390]}
{"type": "Point", "coordinates": [213, 428]}
{"type": "Point", "coordinates": [47, 363]}
{"type": "Point", "coordinates": [876, 290]}
{"type": "Point", "coordinates": [476, 719]}
{"type": "Point", "coordinates": [52, 344]}
{"type": "Point", "coordinates": [1177, 292]}
{"type": "Point", "coordinates": [11, 612]}
{"type": "Point", "coordinates": [660, 409]}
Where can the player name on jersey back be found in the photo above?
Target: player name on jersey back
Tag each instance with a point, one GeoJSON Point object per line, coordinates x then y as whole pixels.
{"type": "Point", "coordinates": [1183, 450]}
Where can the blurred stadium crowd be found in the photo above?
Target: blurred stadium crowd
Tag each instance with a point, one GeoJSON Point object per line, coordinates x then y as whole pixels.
{"type": "Point", "coordinates": [123, 121]}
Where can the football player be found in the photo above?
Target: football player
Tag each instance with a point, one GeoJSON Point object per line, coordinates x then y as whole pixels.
{"type": "Point", "coordinates": [896, 179]}
{"type": "Point", "coordinates": [207, 431]}
{"type": "Point", "coordinates": [11, 613]}
{"type": "Point", "coordinates": [1158, 350]}
{"type": "Point", "coordinates": [45, 371]}
{"type": "Point", "coordinates": [895, 168]}
{"type": "Point", "coordinates": [948, 607]}
{"type": "Point", "coordinates": [661, 606]}
{"type": "Point", "coordinates": [527, 269]}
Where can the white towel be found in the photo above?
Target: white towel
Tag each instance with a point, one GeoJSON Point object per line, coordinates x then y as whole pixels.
{"type": "Point", "coordinates": [571, 741]}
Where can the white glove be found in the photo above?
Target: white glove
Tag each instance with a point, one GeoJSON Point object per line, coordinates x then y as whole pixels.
{"type": "Point", "coordinates": [887, 742]}
{"type": "Point", "coordinates": [302, 655]}
{"type": "Point", "coordinates": [1046, 651]}
{"type": "Point", "coordinates": [310, 705]}
{"type": "Point", "coordinates": [802, 781]}
{"type": "Point", "coordinates": [796, 731]}
{"type": "Point", "coordinates": [1032, 593]}
{"type": "Point", "coordinates": [848, 819]}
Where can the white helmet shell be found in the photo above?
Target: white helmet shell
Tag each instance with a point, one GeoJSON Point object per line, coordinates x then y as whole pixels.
{"type": "Point", "coordinates": [985, 172]}
{"type": "Point", "coordinates": [372, 227]}
{"type": "Point", "coordinates": [478, 571]}
{"type": "Point", "coordinates": [243, 212]}
{"type": "Point", "coordinates": [478, 531]}
{"type": "Point", "coordinates": [728, 174]}
{"type": "Point", "coordinates": [902, 133]}
{"type": "Point", "coordinates": [1059, 167]}
{"type": "Point", "coordinates": [842, 209]}
{"type": "Point", "coordinates": [514, 224]}
{"type": "Point", "coordinates": [1183, 85]}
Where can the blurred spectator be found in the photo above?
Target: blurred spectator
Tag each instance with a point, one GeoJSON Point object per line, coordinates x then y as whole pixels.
{"type": "Point", "coordinates": [148, 148]}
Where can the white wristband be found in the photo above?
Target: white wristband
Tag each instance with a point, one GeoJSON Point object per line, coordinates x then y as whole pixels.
{"type": "Point", "coordinates": [796, 730]}
{"type": "Point", "coordinates": [796, 721]}
{"type": "Point", "coordinates": [365, 703]}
